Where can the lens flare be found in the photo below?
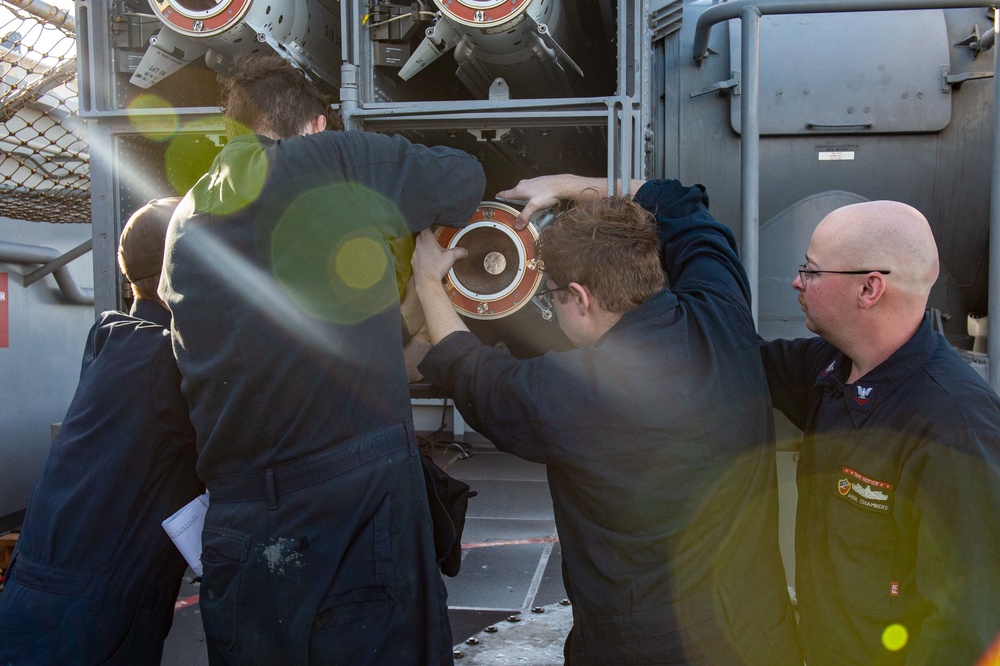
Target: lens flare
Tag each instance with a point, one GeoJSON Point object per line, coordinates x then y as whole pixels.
{"type": "Point", "coordinates": [257, 287]}
{"type": "Point", "coordinates": [231, 185]}
{"type": "Point", "coordinates": [360, 263]}
{"type": "Point", "coordinates": [188, 157]}
{"type": "Point", "coordinates": [331, 252]}
{"type": "Point", "coordinates": [161, 126]}
{"type": "Point", "coordinates": [894, 637]}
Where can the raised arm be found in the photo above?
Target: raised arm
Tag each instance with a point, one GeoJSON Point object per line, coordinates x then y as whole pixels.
{"type": "Point", "coordinates": [697, 252]}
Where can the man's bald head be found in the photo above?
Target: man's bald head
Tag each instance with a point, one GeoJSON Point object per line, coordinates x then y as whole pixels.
{"type": "Point", "coordinates": [883, 235]}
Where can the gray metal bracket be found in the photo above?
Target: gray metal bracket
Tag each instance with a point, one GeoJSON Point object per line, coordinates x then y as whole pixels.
{"type": "Point", "coordinates": [732, 84]}
{"type": "Point", "coordinates": [951, 82]}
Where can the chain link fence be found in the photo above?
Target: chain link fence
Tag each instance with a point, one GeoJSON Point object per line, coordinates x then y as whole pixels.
{"type": "Point", "coordinates": [44, 161]}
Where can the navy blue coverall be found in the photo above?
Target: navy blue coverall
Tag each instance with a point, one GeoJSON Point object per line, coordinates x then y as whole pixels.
{"type": "Point", "coordinates": [659, 446]}
{"type": "Point", "coordinates": [94, 576]}
{"type": "Point", "coordinates": [317, 544]}
{"type": "Point", "coordinates": [898, 524]}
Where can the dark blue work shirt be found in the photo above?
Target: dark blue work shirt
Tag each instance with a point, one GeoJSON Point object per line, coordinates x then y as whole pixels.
{"type": "Point", "coordinates": [280, 278]}
{"type": "Point", "coordinates": [93, 562]}
{"type": "Point", "coordinates": [659, 444]}
{"type": "Point", "coordinates": [287, 330]}
{"type": "Point", "coordinates": [898, 535]}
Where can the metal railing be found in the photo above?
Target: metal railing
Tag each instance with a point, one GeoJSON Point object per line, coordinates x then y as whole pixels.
{"type": "Point", "coordinates": [749, 12]}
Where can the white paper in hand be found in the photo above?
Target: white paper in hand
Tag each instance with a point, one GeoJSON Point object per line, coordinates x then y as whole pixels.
{"type": "Point", "coordinates": [184, 529]}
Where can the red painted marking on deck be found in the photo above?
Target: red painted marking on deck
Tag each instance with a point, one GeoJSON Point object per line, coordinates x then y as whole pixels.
{"type": "Point", "coordinates": [512, 542]}
{"type": "Point", "coordinates": [184, 603]}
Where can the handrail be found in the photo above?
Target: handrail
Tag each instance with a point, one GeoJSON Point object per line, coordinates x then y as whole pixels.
{"type": "Point", "coordinates": [17, 253]}
{"type": "Point", "coordinates": [55, 264]}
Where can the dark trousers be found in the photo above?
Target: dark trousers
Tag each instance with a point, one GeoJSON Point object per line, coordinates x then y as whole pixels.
{"type": "Point", "coordinates": [328, 559]}
{"type": "Point", "coordinates": [746, 620]}
{"type": "Point", "coordinates": [51, 616]}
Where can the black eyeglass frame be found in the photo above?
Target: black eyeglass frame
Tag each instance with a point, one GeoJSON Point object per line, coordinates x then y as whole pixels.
{"type": "Point", "coordinates": [546, 292]}
{"type": "Point", "coordinates": [805, 270]}
{"type": "Point", "coordinates": [544, 296]}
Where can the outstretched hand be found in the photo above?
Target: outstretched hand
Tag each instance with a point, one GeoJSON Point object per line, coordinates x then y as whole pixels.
{"type": "Point", "coordinates": [431, 262]}
{"type": "Point", "coordinates": [546, 191]}
{"type": "Point", "coordinates": [539, 193]}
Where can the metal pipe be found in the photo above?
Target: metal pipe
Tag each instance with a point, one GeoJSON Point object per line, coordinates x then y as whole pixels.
{"type": "Point", "coordinates": [51, 267]}
{"type": "Point", "coordinates": [731, 10]}
{"type": "Point", "coordinates": [987, 40]}
{"type": "Point", "coordinates": [61, 18]}
{"type": "Point", "coordinates": [750, 153]}
{"type": "Point", "coordinates": [613, 135]}
{"type": "Point", "coordinates": [350, 53]}
{"type": "Point", "coordinates": [625, 145]}
{"type": "Point", "coordinates": [16, 253]}
{"type": "Point", "coordinates": [348, 94]}
{"type": "Point", "coordinates": [993, 328]}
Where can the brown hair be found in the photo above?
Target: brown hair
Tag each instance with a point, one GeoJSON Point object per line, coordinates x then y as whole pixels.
{"type": "Point", "coordinates": [267, 95]}
{"type": "Point", "coordinates": [608, 245]}
{"type": "Point", "coordinates": [140, 247]}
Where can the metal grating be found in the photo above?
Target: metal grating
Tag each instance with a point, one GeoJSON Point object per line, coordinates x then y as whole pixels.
{"type": "Point", "coordinates": [44, 160]}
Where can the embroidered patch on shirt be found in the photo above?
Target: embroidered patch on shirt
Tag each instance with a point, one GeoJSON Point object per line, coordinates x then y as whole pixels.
{"type": "Point", "coordinates": [893, 589]}
{"type": "Point", "coordinates": [865, 491]}
{"type": "Point", "coordinates": [828, 369]}
{"type": "Point", "coordinates": [864, 396]}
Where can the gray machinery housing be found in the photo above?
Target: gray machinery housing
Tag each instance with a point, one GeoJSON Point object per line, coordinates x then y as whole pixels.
{"type": "Point", "coordinates": [783, 109]}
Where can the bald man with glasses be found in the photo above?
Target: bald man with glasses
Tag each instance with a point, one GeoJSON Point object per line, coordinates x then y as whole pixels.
{"type": "Point", "coordinates": [897, 538]}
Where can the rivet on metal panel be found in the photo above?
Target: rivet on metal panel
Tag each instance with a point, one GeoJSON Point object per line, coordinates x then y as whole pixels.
{"type": "Point", "coordinates": [472, 640]}
{"type": "Point", "coordinates": [513, 618]}
{"type": "Point", "coordinates": [564, 602]}
{"type": "Point", "coordinates": [491, 629]}
{"type": "Point", "coordinates": [537, 609]}
{"type": "Point", "coordinates": [458, 654]}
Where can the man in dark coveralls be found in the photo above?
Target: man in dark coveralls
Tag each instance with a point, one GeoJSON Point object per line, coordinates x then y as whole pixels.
{"type": "Point", "coordinates": [94, 577]}
{"type": "Point", "coordinates": [317, 546]}
{"type": "Point", "coordinates": [897, 538]}
{"type": "Point", "coordinates": [656, 429]}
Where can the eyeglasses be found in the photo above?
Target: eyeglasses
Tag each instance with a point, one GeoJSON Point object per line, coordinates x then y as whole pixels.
{"type": "Point", "coordinates": [805, 273]}
{"type": "Point", "coordinates": [545, 298]}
